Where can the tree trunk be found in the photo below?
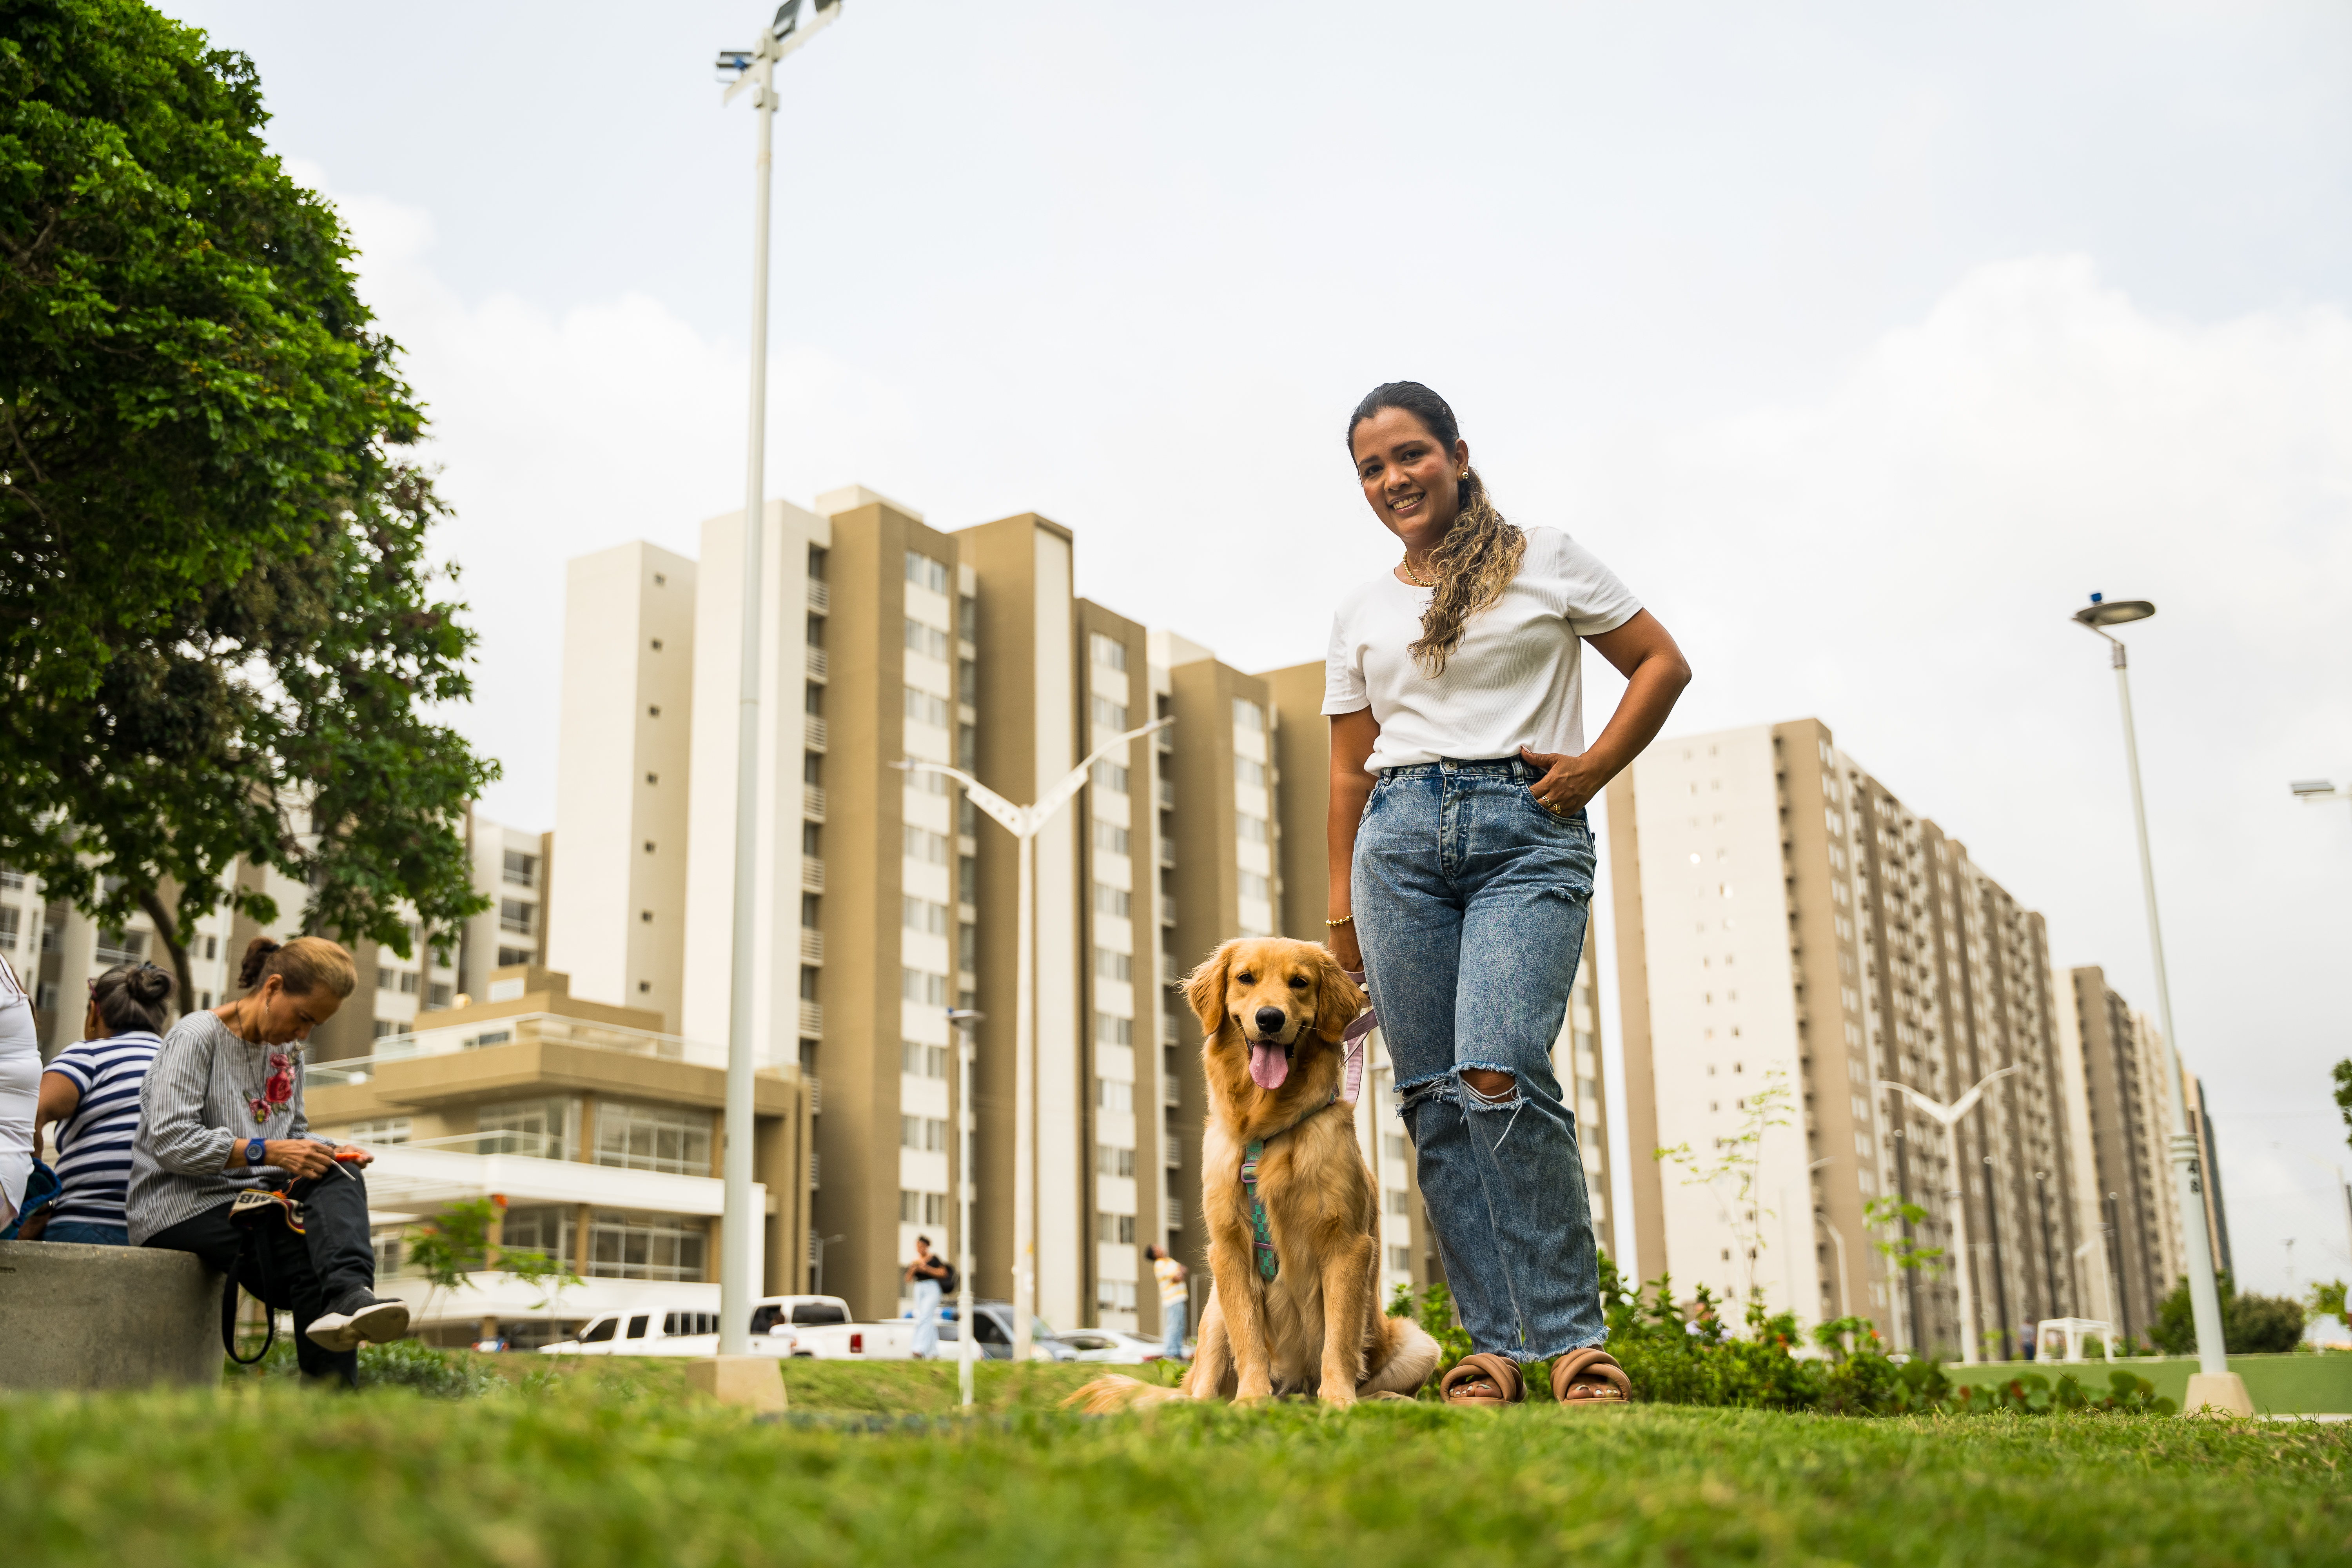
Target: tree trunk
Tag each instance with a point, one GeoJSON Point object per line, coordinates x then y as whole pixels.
{"type": "Point", "coordinates": [168, 932]}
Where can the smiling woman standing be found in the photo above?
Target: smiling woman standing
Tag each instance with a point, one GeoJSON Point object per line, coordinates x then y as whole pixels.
{"type": "Point", "coordinates": [1462, 870]}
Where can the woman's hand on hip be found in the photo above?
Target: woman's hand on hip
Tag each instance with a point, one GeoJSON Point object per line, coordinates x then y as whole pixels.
{"type": "Point", "coordinates": [1565, 788]}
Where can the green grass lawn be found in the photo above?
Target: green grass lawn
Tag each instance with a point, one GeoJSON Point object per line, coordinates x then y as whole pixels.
{"type": "Point", "coordinates": [609, 1464]}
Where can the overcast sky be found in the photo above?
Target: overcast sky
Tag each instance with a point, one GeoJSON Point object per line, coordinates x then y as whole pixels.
{"type": "Point", "coordinates": [1864, 341]}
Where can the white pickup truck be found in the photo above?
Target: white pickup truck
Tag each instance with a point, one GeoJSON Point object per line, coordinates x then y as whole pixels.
{"type": "Point", "coordinates": [696, 1333]}
{"type": "Point", "coordinates": [894, 1340]}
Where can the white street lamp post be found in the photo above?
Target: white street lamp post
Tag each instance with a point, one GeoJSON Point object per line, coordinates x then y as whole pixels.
{"type": "Point", "coordinates": [754, 68]}
{"type": "Point", "coordinates": [2215, 1385]}
{"type": "Point", "coordinates": [967, 1126]}
{"type": "Point", "coordinates": [1024, 823]}
{"type": "Point", "coordinates": [1949, 1118]}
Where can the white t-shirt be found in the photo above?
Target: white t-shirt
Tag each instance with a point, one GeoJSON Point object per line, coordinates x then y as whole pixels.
{"type": "Point", "coordinates": [1514, 680]}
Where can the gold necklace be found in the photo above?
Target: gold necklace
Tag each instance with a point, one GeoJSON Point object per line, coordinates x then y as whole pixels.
{"type": "Point", "coordinates": [1405, 566]}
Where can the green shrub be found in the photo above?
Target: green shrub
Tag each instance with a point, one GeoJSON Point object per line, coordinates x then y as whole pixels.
{"type": "Point", "coordinates": [2251, 1325]}
{"type": "Point", "coordinates": [2034, 1395]}
{"type": "Point", "coordinates": [404, 1364]}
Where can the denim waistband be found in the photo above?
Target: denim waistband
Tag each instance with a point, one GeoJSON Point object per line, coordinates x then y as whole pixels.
{"type": "Point", "coordinates": [1499, 767]}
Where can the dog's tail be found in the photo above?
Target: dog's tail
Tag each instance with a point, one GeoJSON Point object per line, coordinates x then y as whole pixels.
{"type": "Point", "coordinates": [1407, 1356]}
{"type": "Point", "coordinates": [1113, 1393]}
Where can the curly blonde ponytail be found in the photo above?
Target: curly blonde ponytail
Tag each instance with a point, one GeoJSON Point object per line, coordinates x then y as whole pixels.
{"type": "Point", "coordinates": [1479, 554]}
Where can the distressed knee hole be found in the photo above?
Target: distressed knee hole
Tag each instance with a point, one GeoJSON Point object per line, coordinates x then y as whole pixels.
{"type": "Point", "coordinates": [1489, 1087]}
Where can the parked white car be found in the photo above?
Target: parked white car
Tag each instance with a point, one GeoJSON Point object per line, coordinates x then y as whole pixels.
{"type": "Point", "coordinates": [696, 1333]}
{"type": "Point", "coordinates": [1120, 1345]}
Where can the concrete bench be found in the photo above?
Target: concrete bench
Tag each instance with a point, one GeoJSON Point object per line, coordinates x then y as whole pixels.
{"type": "Point", "coordinates": [105, 1316]}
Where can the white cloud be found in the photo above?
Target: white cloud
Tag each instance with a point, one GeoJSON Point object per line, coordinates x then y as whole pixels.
{"type": "Point", "coordinates": [1899, 559]}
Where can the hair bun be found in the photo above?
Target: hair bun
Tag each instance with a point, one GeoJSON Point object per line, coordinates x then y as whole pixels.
{"type": "Point", "coordinates": [257, 955]}
{"type": "Point", "coordinates": [148, 984]}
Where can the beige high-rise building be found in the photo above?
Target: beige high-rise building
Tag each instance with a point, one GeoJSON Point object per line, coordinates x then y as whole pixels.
{"type": "Point", "coordinates": [1788, 928]}
{"type": "Point", "coordinates": [623, 781]}
{"type": "Point", "coordinates": [2129, 1202]}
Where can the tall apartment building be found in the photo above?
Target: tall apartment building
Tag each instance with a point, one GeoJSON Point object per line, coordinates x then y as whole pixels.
{"type": "Point", "coordinates": [1788, 929]}
{"type": "Point", "coordinates": [623, 779]}
{"type": "Point", "coordinates": [2128, 1201]}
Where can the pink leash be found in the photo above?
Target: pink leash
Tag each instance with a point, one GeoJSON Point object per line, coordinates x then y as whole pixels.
{"type": "Point", "coordinates": [1354, 1037]}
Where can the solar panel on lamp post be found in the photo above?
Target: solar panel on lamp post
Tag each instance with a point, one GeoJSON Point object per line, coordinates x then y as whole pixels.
{"type": "Point", "coordinates": [753, 69]}
{"type": "Point", "coordinates": [2214, 1384]}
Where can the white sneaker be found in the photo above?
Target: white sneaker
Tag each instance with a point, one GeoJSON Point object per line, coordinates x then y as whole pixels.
{"type": "Point", "coordinates": [359, 1317]}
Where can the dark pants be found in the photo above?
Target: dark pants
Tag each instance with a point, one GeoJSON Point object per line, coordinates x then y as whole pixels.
{"type": "Point", "coordinates": [304, 1274]}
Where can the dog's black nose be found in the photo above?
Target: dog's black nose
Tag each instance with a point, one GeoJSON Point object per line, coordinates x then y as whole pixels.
{"type": "Point", "coordinates": [1270, 1020]}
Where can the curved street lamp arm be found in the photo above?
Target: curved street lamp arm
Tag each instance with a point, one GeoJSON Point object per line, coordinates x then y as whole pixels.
{"type": "Point", "coordinates": [1015, 818]}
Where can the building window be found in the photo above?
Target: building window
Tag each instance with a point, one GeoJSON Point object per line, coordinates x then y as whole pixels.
{"type": "Point", "coordinates": [544, 1129]}
{"type": "Point", "coordinates": [1109, 837]}
{"type": "Point", "coordinates": [508, 957]}
{"type": "Point", "coordinates": [1112, 1161]}
{"type": "Point", "coordinates": [922, 1060]}
{"type": "Point", "coordinates": [1250, 772]}
{"type": "Point", "coordinates": [1399, 1201]}
{"type": "Point", "coordinates": [1250, 829]}
{"type": "Point", "coordinates": [1248, 715]}
{"type": "Point", "coordinates": [1116, 1227]}
{"type": "Point", "coordinates": [1109, 715]}
{"type": "Point", "coordinates": [624, 1244]}
{"type": "Point", "coordinates": [1110, 1029]}
{"type": "Point", "coordinates": [923, 987]}
{"type": "Point", "coordinates": [386, 1027]}
{"type": "Point", "coordinates": [928, 641]}
{"type": "Point", "coordinates": [1109, 652]}
{"type": "Point", "coordinates": [1110, 901]}
{"type": "Point", "coordinates": [636, 1137]}
{"type": "Point", "coordinates": [515, 915]}
{"type": "Point", "coordinates": [968, 881]}
{"type": "Point", "coordinates": [522, 870]}
{"type": "Point", "coordinates": [968, 949]}
{"type": "Point", "coordinates": [1115, 1295]}
{"type": "Point", "coordinates": [921, 914]}
{"type": "Point", "coordinates": [1109, 965]}
{"type": "Point", "coordinates": [11, 923]}
{"type": "Point", "coordinates": [968, 619]}
{"type": "Point", "coordinates": [968, 683]}
{"type": "Point", "coordinates": [928, 1134]}
{"type": "Point", "coordinates": [1110, 776]}
{"type": "Point", "coordinates": [11, 878]}
{"type": "Point", "coordinates": [926, 708]}
{"type": "Point", "coordinates": [1255, 886]}
{"type": "Point", "coordinates": [120, 946]}
{"type": "Point", "coordinates": [922, 1208]}
{"type": "Point", "coordinates": [383, 1131]}
{"type": "Point", "coordinates": [437, 996]}
{"type": "Point", "coordinates": [1401, 1259]}
{"type": "Point", "coordinates": [926, 573]}
{"type": "Point", "coordinates": [1110, 1094]}
{"type": "Point", "coordinates": [926, 846]}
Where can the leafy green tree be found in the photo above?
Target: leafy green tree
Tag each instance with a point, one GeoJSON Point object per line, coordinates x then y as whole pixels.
{"type": "Point", "coordinates": [455, 1244]}
{"type": "Point", "coordinates": [2251, 1325]}
{"type": "Point", "coordinates": [1901, 1247]}
{"type": "Point", "coordinates": [220, 632]}
{"type": "Point", "coordinates": [2327, 1300]}
{"type": "Point", "coordinates": [2344, 1096]}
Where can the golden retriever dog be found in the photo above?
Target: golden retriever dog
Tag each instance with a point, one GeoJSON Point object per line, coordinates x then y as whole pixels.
{"type": "Point", "coordinates": [1273, 1011]}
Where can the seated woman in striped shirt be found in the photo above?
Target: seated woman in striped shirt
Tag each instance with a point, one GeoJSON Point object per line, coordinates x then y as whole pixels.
{"type": "Point", "coordinates": [93, 1090]}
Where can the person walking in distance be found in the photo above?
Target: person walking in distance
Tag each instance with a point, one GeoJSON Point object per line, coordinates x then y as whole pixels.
{"type": "Point", "coordinates": [20, 1089]}
{"type": "Point", "coordinates": [220, 1116]}
{"type": "Point", "coordinates": [927, 1273]}
{"type": "Point", "coordinates": [1461, 869]}
{"type": "Point", "coordinates": [1175, 1299]}
{"type": "Point", "coordinates": [90, 1091]}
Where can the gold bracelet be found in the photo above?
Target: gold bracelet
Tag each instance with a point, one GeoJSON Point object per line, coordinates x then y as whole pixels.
{"type": "Point", "coordinates": [1342, 920]}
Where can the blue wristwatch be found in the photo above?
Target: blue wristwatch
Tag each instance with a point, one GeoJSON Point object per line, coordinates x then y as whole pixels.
{"type": "Point", "coordinates": [254, 1149]}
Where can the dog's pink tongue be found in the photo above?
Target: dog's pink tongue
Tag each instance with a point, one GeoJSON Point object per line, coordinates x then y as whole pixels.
{"type": "Point", "coordinates": [1269, 1065]}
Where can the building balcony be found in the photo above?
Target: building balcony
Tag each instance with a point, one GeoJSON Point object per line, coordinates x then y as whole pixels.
{"type": "Point", "coordinates": [813, 802]}
{"type": "Point", "coordinates": [1167, 909]}
{"type": "Point", "coordinates": [811, 1020]}
{"type": "Point", "coordinates": [1167, 854]}
{"type": "Point", "coordinates": [812, 874]}
{"type": "Point", "coordinates": [1171, 1090]}
{"type": "Point", "coordinates": [1171, 1213]}
{"type": "Point", "coordinates": [1167, 794]}
{"type": "Point", "coordinates": [820, 596]}
{"type": "Point", "coordinates": [812, 945]}
{"type": "Point", "coordinates": [816, 663]}
{"type": "Point", "coordinates": [814, 729]}
{"type": "Point", "coordinates": [1171, 1154]}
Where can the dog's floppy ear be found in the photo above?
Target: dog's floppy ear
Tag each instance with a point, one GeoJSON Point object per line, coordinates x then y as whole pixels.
{"type": "Point", "coordinates": [1338, 999]}
{"type": "Point", "coordinates": [1206, 990]}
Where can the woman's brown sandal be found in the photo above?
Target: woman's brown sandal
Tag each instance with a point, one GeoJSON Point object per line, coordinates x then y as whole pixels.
{"type": "Point", "coordinates": [1591, 1377]}
{"type": "Point", "coordinates": [1482, 1378]}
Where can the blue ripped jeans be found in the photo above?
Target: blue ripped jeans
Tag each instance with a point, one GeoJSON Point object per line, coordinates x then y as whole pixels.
{"type": "Point", "coordinates": [1471, 901]}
